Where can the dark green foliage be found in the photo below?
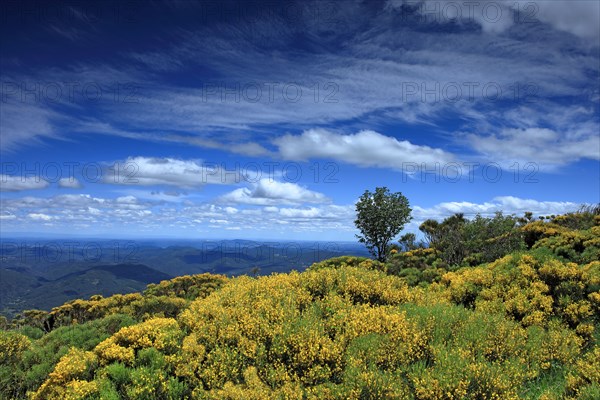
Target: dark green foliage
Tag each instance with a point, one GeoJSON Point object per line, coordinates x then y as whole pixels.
{"type": "Point", "coordinates": [409, 242]}
{"type": "Point", "coordinates": [31, 332]}
{"type": "Point", "coordinates": [188, 287]}
{"type": "Point", "coordinates": [583, 219]}
{"type": "Point", "coordinates": [119, 374]}
{"type": "Point", "coordinates": [348, 261]}
{"type": "Point", "coordinates": [487, 239]}
{"type": "Point", "coordinates": [460, 241]}
{"type": "Point", "coordinates": [380, 217]}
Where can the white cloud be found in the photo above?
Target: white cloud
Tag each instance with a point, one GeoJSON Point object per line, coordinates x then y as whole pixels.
{"type": "Point", "coordinates": [300, 213]}
{"type": "Point", "coordinates": [40, 217]}
{"type": "Point", "coordinates": [544, 146]}
{"type": "Point", "coordinates": [94, 211]}
{"type": "Point", "coordinates": [493, 16]}
{"type": "Point", "coordinates": [75, 210]}
{"type": "Point", "coordinates": [365, 149]}
{"type": "Point", "coordinates": [10, 183]}
{"type": "Point", "coordinates": [270, 192]}
{"type": "Point", "coordinates": [506, 204]}
{"type": "Point", "coordinates": [249, 149]}
{"type": "Point", "coordinates": [515, 205]}
{"type": "Point", "coordinates": [70, 183]}
{"type": "Point", "coordinates": [22, 123]}
{"type": "Point", "coordinates": [579, 17]}
{"type": "Point", "coordinates": [148, 171]}
{"type": "Point", "coordinates": [129, 215]}
{"type": "Point", "coordinates": [126, 200]}
{"type": "Point", "coordinates": [367, 76]}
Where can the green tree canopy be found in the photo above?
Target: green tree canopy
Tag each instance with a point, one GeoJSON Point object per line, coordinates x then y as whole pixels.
{"type": "Point", "coordinates": [380, 217]}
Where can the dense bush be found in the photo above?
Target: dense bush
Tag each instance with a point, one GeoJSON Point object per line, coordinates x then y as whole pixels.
{"type": "Point", "coordinates": [532, 288]}
{"type": "Point", "coordinates": [349, 261]}
{"type": "Point", "coordinates": [417, 266]}
{"type": "Point", "coordinates": [578, 246]}
{"type": "Point", "coordinates": [189, 287]}
{"type": "Point", "coordinates": [460, 241]}
{"type": "Point", "coordinates": [166, 298]}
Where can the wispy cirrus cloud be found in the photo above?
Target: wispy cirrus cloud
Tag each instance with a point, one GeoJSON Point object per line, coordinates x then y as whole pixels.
{"type": "Point", "coordinates": [547, 147]}
{"type": "Point", "coordinates": [26, 125]}
{"type": "Point", "coordinates": [384, 72]}
{"type": "Point", "coordinates": [550, 135]}
{"type": "Point", "coordinates": [579, 18]}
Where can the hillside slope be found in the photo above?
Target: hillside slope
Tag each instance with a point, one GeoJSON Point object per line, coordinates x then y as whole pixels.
{"type": "Point", "coordinates": [522, 326]}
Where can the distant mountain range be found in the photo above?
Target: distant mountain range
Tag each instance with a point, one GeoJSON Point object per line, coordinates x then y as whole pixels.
{"type": "Point", "coordinates": [42, 273]}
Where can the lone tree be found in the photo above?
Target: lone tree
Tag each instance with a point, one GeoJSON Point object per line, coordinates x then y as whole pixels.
{"type": "Point", "coordinates": [380, 217]}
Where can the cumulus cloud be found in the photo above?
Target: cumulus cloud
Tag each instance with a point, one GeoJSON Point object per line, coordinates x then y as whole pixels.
{"type": "Point", "coordinates": [300, 213]}
{"type": "Point", "coordinates": [365, 148]}
{"type": "Point", "coordinates": [270, 192]}
{"type": "Point", "coordinates": [40, 217]}
{"type": "Point", "coordinates": [69, 183]}
{"type": "Point", "coordinates": [148, 171]}
{"type": "Point", "coordinates": [129, 215]}
{"type": "Point", "coordinates": [11, 183]}
{"type": "Point", "coordinates": [70, 211]}
{"type": "Point", "coordinates": [126, 200]}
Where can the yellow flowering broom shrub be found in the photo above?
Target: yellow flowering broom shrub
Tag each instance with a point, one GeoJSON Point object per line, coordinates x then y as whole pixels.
{"type": "Point", "coordinates": [537, 230]}
{"type": "Point", "coordinates": [577, 246]}
{"type": "Point", "coordinates": [166, 299]}
{"type": "Point", "coordinates": [584, 381]}
{"type": "Point", "coordinates": [160, 333]}
{"type": "Point", "coordinates": [188, 287]}
{"type": "Point", "coordinates": [348, 261]}
{"type": "Point", "coordinates": [530, 288]}
{"type": "Point", "coordinates": [12, 346]}
{"type": "Point", "coordinates": [70, 378]}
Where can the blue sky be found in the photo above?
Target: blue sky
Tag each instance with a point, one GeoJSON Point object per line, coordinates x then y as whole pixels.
{"type": "Point", "coordinates": [267, 120]}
